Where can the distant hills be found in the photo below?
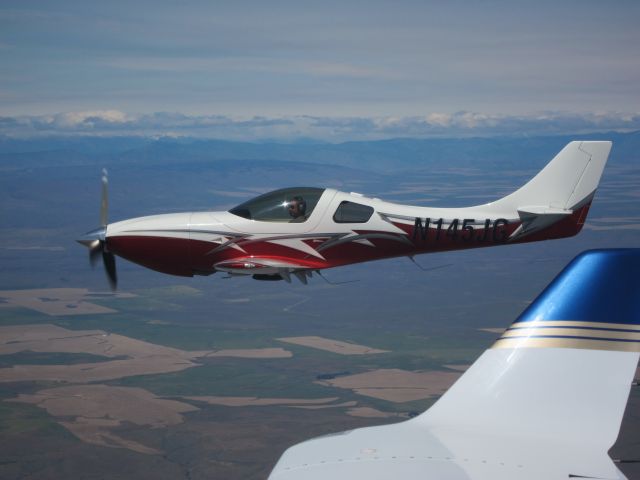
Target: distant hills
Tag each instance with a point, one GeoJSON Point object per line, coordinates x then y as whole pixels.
{"type": "Point", "coordinates": [381, 155]}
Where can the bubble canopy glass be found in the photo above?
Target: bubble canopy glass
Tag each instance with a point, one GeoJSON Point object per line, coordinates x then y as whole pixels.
{"type": "Point", "coordinates": [280, 205]}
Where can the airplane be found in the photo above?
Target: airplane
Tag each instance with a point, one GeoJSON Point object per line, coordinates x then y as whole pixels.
{"type": "Point", "coordinates": [545, 402]}
{"type": "Point", "coordinates": [298, 231]}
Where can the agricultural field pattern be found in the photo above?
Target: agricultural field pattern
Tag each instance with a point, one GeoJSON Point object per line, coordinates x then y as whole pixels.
{"type": "Point", "coordinates": [214, 378]}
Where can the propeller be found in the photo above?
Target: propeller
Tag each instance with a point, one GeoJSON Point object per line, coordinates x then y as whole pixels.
{"type": "Point", "coordinates": [95, 240]}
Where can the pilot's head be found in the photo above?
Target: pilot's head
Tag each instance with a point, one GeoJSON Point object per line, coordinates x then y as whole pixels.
{"type": "Point", "coordinates": [297, 207]}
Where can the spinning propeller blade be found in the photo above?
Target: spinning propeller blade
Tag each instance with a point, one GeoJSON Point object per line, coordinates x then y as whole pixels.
{"type": "Point", "coordinates": [104, 204]}
{"type": "Point", "coordinates": [95, 240]}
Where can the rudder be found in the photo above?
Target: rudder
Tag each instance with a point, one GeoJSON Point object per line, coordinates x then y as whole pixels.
{"type": "Point", "coordinates": [565, 182]}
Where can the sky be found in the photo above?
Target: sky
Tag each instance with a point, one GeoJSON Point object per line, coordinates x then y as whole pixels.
{"type": "Point", "coordinates": [331, 69]}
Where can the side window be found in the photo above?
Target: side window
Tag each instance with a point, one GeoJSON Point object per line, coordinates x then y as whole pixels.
{"type": "Point", "coordinates": [349, 212]}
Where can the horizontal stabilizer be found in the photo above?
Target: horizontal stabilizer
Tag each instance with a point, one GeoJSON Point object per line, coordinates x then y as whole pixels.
{"type": "Point", "coordinates": [537, 218]}
{"type": "Point", "coordinates": [542, 211]}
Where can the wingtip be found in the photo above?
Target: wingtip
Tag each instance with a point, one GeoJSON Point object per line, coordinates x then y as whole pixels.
{"type": "Point", "coordinates": [592, 304]}
{"type": "Point", "coordinates": [600, 148]}
{"type": "Point", "coordinates": [600, 285]}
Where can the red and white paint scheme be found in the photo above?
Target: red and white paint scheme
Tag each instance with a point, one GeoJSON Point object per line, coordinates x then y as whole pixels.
{"type": "Point", "coordinates": [295, 231]}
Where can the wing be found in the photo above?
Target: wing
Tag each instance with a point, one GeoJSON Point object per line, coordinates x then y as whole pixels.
{"type": "Point", "coordinates": [544, 402]}
{"type": "Point", "coordinates": [263, 268]}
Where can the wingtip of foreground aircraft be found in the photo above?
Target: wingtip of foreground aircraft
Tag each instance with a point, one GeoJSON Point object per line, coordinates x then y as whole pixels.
{"type": "Point", "coordinates": [293, 232]}
{"type": "Point", "coordinates": [544, 402]}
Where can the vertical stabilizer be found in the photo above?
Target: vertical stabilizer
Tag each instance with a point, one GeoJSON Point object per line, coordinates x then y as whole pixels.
{"type": "Point", "coordinates": [566, 183]}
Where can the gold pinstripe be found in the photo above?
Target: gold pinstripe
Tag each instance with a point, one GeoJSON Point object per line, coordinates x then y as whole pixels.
{"type": "Point", "coordinates": [571, 332]}
{"type": "Point", "coordinates": [569, 323]}
{"type": "Point", "coordinates": [561, 334]}
{"type": "Point", "coordinates": [533, 342]}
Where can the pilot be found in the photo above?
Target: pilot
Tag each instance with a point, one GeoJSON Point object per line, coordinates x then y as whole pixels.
{"type": "Point", "coordinates": [297, 209]}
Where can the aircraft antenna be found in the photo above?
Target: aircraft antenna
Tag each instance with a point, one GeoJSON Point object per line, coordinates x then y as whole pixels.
{"type": "Point", "coordinates": [410, 257]}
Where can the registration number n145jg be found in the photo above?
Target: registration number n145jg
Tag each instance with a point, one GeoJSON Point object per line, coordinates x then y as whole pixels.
{"type": "Point", "coordinates": [467, 230]}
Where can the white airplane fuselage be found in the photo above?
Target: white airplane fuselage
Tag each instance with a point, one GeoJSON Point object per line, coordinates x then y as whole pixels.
{"type": "Point", "coordinates": [205, 242]}
{"type": "Point", "coordinates": [301, 230]}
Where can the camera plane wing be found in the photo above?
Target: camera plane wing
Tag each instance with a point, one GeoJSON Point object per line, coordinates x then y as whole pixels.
{"type": "Point", "coordinates": [545, 402]}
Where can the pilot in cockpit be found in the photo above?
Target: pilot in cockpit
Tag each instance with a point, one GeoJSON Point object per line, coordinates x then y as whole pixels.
{"type": "Point", "coordinates": [297, 209]}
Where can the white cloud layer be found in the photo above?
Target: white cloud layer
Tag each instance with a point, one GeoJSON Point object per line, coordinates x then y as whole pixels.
{"type": "Point", "coordinates": [292, 128]}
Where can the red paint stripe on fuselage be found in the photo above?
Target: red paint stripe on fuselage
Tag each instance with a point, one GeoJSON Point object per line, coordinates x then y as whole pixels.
{"type": "Point", "coordinates": [178, 256]}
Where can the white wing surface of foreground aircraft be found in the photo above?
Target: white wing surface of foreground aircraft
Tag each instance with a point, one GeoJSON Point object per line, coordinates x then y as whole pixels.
{"type": "Point", "coordinates": [545, 402]}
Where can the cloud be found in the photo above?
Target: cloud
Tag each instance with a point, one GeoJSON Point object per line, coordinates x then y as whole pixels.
{"type": "Point", "coordinates": [90, 119]}
{"type": "Point", "coordinates": [332, 129]}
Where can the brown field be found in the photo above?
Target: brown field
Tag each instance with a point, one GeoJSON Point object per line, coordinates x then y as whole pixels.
{"type": "Point", "coordinates": [100, 412]}
{"type": "Point", "coordinates": [51, 338]}
{"type": "Point", "coordinates": [350, 403]}
{"type": "Point", "coordinates": [57, 301]}
{"type": "Point", "coordinates": [261, 402]}
{"type": "Point", "coordinates": [92, 372]}
{"type": "Point", "coordinates": [396, 385]}
{"type": "Point", "coordinates": [91, 433]}
{"type": "Point", "coordinates": [252, 353]}
{"type": "Point", "coordinates": [369, 412]}
{"type": "Point", "coordinates": [303, 403]}
{"type": "Point", "coordinates": [335, 346]}
{"type": "Point", "coordinates": [141, 358]}
{"type": "Point", "coordinates": [98, 409]}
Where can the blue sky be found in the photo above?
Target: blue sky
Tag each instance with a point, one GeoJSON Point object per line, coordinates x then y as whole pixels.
{"type": "Point", "coordinates": [323, 69]}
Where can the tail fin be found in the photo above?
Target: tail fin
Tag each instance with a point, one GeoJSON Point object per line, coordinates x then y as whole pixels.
{"type": "Point", "coordinates": [566, 183]}
{"type": "Point", "coordinates": [561, 374]}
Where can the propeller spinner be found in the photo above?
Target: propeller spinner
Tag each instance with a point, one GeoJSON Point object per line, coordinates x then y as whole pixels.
{"type": "Point", "coordinates": [95, 240]}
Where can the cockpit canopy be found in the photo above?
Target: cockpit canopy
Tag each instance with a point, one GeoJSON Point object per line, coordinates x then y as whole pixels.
{"type": "Point", "coordinates": [284, 205]}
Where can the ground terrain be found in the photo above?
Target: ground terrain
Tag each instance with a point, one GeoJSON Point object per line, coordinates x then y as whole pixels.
{"type": "Point", "coordinates": [211, 378]}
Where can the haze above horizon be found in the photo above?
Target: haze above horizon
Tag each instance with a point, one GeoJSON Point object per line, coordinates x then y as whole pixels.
{"type": "Point", "coordinates": [332, 71]}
